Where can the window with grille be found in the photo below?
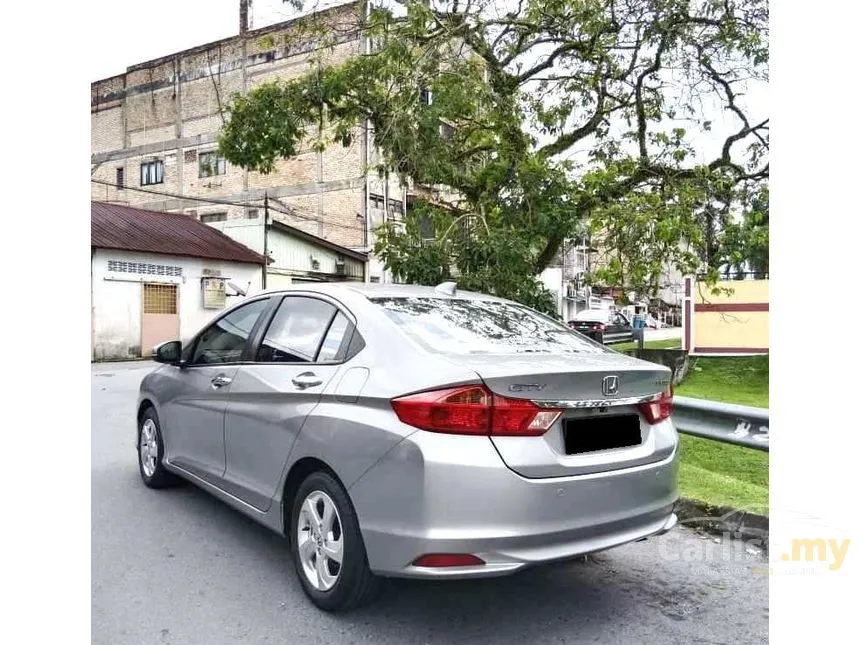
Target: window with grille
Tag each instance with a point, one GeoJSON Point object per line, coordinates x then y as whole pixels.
{"type": "Point", "coordinates": [253, 213]}
{"type": "Point", "coordinates": [377, 201]}
{"type": "Point", "coordinates": [395, 207]}
{"type": "Point", "coordinates": [159, 298]}
{"type": "Point", "coordinates": [120, 266]}
{"type": "Point", "coordinates": [208, 218]}
{"type": "Point", "coordinates": [152, 172]}
{"type": "Point", "coordinates": [211, 164]}
{"type": "Point", "coordinates": [120, 177]}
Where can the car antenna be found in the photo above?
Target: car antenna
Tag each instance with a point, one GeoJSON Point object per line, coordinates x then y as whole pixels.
{"type": "Point", "coordinates": [447, 288]}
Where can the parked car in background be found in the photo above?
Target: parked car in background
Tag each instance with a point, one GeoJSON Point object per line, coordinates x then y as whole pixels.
{"type": "Point", "coordinates": [404, 431]}
{"type": "Point", "coordinates": [603, 325]}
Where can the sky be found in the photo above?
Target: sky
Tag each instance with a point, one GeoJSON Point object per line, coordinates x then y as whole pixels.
{"type": "Point", "coordinates": [131, 34]}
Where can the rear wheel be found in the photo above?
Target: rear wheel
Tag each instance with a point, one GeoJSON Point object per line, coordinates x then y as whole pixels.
{"type": "Point", "coordinates": [327, 547]}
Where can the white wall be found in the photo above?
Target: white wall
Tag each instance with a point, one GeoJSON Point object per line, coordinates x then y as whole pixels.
{"type": "Point", "coordinates": [552, 280]}
{"type": "Point", "coordinates": [117, 298]}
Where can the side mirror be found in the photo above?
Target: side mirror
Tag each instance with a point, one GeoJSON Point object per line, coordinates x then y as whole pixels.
{"type": "Point", "coordinates": [169, 352]}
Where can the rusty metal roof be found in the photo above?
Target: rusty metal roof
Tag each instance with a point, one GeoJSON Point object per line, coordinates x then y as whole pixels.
{"type": "Point", "coordinates": [114, 226]}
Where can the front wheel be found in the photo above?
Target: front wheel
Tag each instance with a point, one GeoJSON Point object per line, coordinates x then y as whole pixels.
{"type": "Point", "coordinates": [150, 452]}
{"type": "Point", "coordinates": [327, 547]}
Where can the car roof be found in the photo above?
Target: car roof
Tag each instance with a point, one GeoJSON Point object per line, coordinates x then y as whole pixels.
{"type": "Point", "coordinates": [387, 290]}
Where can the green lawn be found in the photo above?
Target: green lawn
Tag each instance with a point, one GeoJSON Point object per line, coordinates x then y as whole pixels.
{"type": "Point", "coordinates": [742, 379]}
{"type": "Point", "coordinates": [650, 344]}
{"type": "Point", "coordinates": [718, 473]}
{"type": "Point", "coordinates": [721, 474]}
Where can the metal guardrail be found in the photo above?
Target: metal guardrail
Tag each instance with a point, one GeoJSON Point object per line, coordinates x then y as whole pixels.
{"type": "Point", "coordinates": [742, 425]}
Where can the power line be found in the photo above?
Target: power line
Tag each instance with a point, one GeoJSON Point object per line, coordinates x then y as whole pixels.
{"type": "Point", "coordinates": [224, 202]}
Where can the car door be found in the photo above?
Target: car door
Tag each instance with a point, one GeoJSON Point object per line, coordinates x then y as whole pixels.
{"type": "Point", "coordinates": [297, 356]}
{"type": "Point", "coordinates": [619, 329]}
{"type": "Point", "coordinates": [193, 414]}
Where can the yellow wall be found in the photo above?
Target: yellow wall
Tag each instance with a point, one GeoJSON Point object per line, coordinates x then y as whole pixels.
{"type": "Point", "coordinates": [731, 330]}
{"type": "Point", "coordinates": [744, 291]}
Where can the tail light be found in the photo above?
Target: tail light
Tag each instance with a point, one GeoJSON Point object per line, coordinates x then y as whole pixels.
{"type": "Point", "coordinates": [658, 409]}
{"type": "Point", "coordinates": [473, 409]}
{"type": "Point", "coordinates": [448, 560]}
{"type": "Point", "coordinates": [598, 327]}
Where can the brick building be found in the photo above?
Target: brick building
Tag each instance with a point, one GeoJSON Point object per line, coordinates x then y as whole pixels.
{"type": "Point", "coordinates": [155, 128]}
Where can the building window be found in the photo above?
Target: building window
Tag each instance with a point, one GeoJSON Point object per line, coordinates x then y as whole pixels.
{"type": "Point", "coordinates": [446, 131]}
{"type": "Point", "coordinates": [426, 96]}
{"type": "Point", "coordinates": [159, 298]}
{"type": "Point", "coordinates": [253, 213]}
{"type": "Point", "coordinates": [120, 178]}
{"type": "Point", "coordinates": [395, 207]}
{"type": "Point", "coordinates": [152, 172]}
{"type": "Point", "coordinates": [121, 266]}
{"type": "Point", "coordinates": [377, 201]}
{"type": "Point", "coordinates": [211, 164]}
{"type": "Point", "coordinates": [208, 218]}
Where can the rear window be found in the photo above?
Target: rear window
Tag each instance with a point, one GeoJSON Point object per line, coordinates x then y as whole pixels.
{"type": "Point", "coordinates": [451, 326]}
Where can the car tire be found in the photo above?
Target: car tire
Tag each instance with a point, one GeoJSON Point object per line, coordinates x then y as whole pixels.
{"type": "Point", "coordinates": [333, 529]}
{"type": "Point", "coordinates": [150, 452]}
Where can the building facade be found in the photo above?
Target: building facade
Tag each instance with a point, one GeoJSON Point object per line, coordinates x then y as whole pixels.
{"type": "Point", "coordinates": [159, 276]}
{"type": "Point", "coordinates": [155, 130]}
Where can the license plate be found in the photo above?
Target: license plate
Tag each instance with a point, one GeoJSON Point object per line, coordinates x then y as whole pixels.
{"type": "Point", "coordinates": [608, 432]}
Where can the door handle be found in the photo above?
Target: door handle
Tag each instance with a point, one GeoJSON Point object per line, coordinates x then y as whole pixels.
{"type": "Point", "coordinates": [221, 381]}
{"type": "Point", "coordinates": [306, 379]}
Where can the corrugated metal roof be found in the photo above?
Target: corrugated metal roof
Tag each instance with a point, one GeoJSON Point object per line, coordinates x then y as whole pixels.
{"type": "Point", "coordinates": [133, 229]}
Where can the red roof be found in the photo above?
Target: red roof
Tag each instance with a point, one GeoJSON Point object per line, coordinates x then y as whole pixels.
{"type": "Point", "coordinates": [133, 229]}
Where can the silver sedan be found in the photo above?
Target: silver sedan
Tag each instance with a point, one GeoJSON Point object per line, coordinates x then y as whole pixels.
{"type": "Point", "coordinates": [392, 430]}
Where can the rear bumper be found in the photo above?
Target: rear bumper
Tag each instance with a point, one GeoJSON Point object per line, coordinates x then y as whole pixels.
{"type": "Point", "coordinates": [438, 494]}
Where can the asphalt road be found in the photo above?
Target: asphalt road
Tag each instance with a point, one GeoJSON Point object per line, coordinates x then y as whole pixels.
{"type": "Point", "coordinates": [179, 567]}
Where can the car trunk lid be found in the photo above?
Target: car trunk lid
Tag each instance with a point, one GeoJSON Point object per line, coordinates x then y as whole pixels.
{"type": "Point", "coordinates": [600, 428]}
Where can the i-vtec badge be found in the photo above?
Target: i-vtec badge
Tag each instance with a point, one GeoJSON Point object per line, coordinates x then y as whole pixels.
{"type": "Point", "coordinates": [527, 387]}
{"type": "Point", "coordinates": [610, 385]}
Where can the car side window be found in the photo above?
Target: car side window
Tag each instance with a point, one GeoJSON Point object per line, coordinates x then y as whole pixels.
{"type": "Point", "coordinates": [334, 339]}
{"type": "Point", "coordinates": [621, 320]}
{"type": "Point", "coordinates": [225, 340]}
{"type": "Point", "coordinates": [296, 331]}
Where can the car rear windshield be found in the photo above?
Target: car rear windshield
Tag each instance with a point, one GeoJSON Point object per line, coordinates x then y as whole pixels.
{"type": "Point", "coordinates": [461, 326]}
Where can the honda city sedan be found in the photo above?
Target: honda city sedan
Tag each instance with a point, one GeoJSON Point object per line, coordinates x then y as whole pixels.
{"type": "Point", "coordinates": [405, 431]}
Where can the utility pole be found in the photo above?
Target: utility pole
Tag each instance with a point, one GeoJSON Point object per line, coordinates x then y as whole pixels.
{"type": "Point", "coordinates": [265, 236]}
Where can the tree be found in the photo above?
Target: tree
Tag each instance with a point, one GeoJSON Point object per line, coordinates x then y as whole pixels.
{"type": "Point", "coordinates": [555, 112]}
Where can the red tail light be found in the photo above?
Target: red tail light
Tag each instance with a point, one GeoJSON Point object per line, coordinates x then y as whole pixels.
{"type": "Point", "coordinates": [473, 409]}
{"type": "Point", "coordinates": [599, 327]}
{"type": "Point", "coordinates": [448, 560]}
{"type": "Point", "coordinates": [659, 409]}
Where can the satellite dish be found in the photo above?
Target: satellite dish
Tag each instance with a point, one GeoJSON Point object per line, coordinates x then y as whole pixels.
{"type": "Point", "coordinates": [239, 290]}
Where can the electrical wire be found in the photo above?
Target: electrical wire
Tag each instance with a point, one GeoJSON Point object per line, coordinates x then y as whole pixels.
{"type": "Point", "coordinates": [224, 202]}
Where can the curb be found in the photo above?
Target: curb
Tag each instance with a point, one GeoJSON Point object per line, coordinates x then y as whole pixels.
{"type": "Point", "coordinates": [723, 520]}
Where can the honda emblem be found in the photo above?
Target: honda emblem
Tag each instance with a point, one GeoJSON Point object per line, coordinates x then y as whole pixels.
{"type": "Point", "coordinates": [610, 385]}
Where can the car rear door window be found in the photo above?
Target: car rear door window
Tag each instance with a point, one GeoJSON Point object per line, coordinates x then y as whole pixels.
{"type": "Point", "coordinates": [225, 340]}
{"type": "Point", "coordinates": [296, 331]}
{"type": "Point", "coordinates": [334, 339]}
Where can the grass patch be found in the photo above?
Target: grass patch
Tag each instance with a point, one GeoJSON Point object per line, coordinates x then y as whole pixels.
{"type": "Point", "coordinates": [671, 343]}
{"type": "Point", "coordinates": [724, 475]}
{"type": "Point", "coordinates": [737, 379]}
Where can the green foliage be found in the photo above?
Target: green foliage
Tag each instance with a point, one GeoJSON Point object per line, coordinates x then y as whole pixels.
{"type": "Point", "coordinates": [515, 99]}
